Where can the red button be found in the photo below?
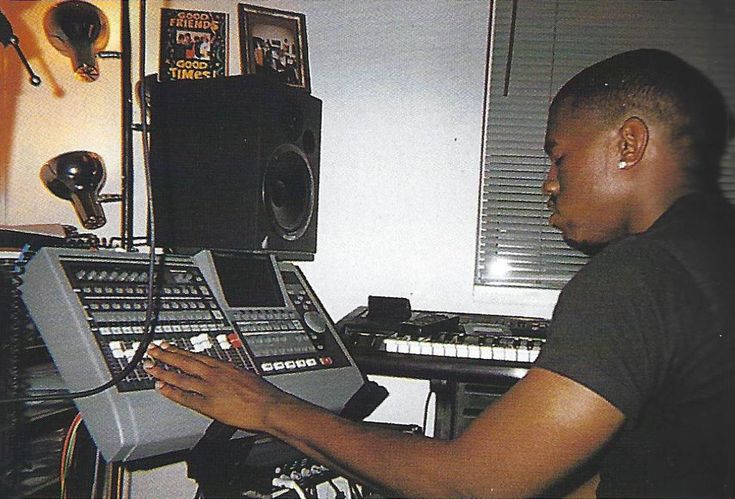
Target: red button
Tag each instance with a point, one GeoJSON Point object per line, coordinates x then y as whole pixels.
{"type": "Point", "coordinates": [326, 361]}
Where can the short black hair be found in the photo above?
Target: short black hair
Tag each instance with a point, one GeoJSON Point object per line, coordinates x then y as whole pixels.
{"type": "Point", "coordinates": [674, 91]}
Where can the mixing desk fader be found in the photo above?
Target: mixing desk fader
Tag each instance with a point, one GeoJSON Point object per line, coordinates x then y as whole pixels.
{"type": "Point", "coordinates": [259, 314]}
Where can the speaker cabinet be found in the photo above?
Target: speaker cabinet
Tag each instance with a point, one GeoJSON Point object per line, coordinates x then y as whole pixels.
{"type": "Point", "coordinates": [234, 165]}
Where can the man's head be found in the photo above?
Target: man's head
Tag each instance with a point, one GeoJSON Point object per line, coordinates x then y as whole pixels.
{"type": "Point", "coordinates": [626, 136]}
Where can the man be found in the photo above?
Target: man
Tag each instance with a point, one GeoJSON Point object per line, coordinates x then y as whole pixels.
{"type": "Point", "coordinates": [638, 374]}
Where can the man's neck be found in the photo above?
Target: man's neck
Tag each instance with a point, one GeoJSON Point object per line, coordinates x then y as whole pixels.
{"type": "Point", "coordinates": [649, 208]}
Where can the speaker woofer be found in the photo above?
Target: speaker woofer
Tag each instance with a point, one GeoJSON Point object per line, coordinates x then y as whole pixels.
{"type": "Point", "coordinates": [288, 192]}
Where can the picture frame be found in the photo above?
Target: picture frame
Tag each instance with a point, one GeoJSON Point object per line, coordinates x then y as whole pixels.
{"type": "Point", "coordinates": [273, 43]}
{"type": "Point", "coordinates": [193, 44]}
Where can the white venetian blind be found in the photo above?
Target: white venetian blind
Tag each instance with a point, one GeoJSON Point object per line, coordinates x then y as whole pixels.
{"type": "Point", "coordinates": [537, 45]}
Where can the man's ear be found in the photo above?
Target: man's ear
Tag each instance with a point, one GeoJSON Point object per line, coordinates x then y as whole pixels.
{"type": "Point", "coordinates": [633, 141]}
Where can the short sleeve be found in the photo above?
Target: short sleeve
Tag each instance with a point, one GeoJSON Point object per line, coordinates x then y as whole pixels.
{"type": "Point", "coordinates": [613, 326]}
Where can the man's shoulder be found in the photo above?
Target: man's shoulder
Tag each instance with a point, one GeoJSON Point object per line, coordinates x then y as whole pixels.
{"type": "Point", "coordinates": [626, 258]}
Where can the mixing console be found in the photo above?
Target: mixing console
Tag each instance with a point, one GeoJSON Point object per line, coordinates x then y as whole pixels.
{"type": "Point", "coordinates": [90, 308]}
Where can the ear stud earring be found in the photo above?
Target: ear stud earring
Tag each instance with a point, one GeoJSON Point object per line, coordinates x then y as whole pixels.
{"type": "Point", "coordinates": [622, 164]}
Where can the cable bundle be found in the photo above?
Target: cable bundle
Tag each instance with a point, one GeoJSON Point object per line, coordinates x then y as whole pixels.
{"type": "Point", "coordinates": [12, 344]}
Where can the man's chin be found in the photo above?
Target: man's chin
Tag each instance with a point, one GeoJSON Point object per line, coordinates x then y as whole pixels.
{"type": "Point", "coordinates": [586, 247]}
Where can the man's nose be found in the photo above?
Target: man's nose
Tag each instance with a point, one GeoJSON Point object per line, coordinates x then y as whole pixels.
{"type": "Point", "coordinates": [550, 187]}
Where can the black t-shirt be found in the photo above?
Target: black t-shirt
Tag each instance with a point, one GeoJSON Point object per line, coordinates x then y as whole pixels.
{"type": "Point", "coordinates": [649, 324]}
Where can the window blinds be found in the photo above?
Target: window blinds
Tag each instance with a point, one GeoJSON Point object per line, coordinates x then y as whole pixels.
{"type": "Point", "coordinates": [535, 46]}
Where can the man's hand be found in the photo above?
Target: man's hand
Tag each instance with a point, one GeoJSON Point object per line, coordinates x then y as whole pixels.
{"type": "Point", "coordinates": [215, 388]}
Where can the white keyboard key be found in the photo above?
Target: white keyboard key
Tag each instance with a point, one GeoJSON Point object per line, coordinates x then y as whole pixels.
{"type": "Point", "coordinates": [390, 345]}
{"type": "Point", "coordinates": [534, 354]}
{"type": "Point", "coordinates": [486, 352]}
{"type": "Point", "coordinates": [414, 347]}
{"type": "Point", "coordinates": [438, 349]}
{"type": "Point", "coordinates": [524, 355]}
{"type": "Point", "coordinates": [473, 351]}
{"type": "Point", "coordinates": [403, 346]}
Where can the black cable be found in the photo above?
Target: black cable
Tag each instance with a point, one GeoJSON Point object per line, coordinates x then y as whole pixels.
{"type": "Point", "coordinates": [426, 410]}
{"type": "Point", "coordinates": [126, 170]}
{"type": "Point", "coordinates": [148, 329]}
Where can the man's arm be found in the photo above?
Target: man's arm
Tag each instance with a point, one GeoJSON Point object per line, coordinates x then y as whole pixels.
{"type": "Point", "coordinates": [536, 434]}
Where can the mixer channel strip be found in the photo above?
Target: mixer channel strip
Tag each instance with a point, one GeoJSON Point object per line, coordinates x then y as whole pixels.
{"type": "Point", "coordinates": [114, 299]}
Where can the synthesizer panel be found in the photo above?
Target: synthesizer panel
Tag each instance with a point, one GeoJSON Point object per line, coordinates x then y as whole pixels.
{"type": "Point", "coordinates": [260, 314]}
{"type": "Point", "coordinates": [446, 345]}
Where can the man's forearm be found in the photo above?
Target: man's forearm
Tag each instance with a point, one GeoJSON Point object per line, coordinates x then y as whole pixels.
{"type": "Point", "coordinates": [408, 465]}
{"type": "Point", "coordinates": [400, 463]}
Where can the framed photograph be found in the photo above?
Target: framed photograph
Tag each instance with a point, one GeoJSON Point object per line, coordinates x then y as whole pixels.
{"type": "Point", "coordinates": [273, 42]}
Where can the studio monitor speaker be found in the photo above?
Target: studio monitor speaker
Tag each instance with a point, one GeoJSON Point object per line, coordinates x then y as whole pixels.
{"type": "Point", "coordinates": [234, 165]}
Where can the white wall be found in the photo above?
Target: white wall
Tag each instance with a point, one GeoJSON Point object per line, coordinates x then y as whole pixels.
{"type": "Point", "coordinates": [402, 84]}
{"type": "Point", "coordinates": [61, 115]}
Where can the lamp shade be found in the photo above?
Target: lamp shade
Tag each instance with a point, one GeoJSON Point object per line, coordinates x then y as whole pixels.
{"type": "Point", "coordinates": [78, 30]}
{"type": "Point", "coordinates": [78, 176]}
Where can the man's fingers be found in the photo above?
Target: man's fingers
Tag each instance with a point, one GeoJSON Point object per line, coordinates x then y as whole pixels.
{"type": "Point", "coordinates": [179, 358]}
{"type": "Point", "coordinates": [179, 380]}
{"type": "Point", "coordinates": [188, 399]}
{"type": "Point", "coordinates": [205, 359]}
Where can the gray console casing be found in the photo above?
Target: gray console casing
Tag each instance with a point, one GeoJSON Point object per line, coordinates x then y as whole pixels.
{"type": "Point", "coordinates": [128, 425]}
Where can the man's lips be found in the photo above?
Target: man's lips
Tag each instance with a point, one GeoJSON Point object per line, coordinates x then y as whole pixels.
{"type": "Point", "coordinates": [551, 206]}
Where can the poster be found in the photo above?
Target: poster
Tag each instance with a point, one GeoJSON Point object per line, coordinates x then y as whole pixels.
{"type": "Point", "coordinates": [193, 45]}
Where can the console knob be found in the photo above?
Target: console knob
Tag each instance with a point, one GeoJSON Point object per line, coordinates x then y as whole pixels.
{"type": "Point", "coordinates": [315, 321]}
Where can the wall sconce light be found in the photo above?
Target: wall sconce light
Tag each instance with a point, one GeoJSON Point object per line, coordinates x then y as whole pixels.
{"type": "Point", "coordinates": [78, 30]}
{"type": "Point", "coordinates": [78, 176]}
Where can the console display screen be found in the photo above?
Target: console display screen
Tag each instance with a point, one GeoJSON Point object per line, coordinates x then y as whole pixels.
{"type": "Point", "coordinates": [248, 281]}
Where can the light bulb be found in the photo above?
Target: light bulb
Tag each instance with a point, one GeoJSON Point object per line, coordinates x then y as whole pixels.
{"type": "Point", "coordinates": [78, 30]}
